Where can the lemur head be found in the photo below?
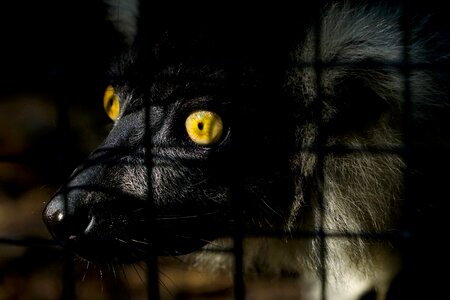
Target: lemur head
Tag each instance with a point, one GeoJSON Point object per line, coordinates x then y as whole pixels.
{"type": "Point", "coordinates": [194, 126]}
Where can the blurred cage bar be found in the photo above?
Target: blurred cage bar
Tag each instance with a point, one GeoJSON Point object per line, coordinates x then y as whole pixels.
{"type": "Point", "coordinates": [67, 84]}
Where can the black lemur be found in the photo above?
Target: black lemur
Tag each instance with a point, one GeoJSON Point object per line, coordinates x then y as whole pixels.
{"type": "Point", "coordinates": [316, 131]}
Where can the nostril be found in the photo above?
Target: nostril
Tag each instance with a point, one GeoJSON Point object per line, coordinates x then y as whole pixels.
{"type": "Point", "coordinates": [65, 222]}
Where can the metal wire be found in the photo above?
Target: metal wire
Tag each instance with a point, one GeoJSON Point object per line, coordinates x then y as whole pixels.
{"type": "Point", "coordinates": [239, 231]}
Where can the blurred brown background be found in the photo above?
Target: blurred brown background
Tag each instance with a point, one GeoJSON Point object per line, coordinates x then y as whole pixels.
{"type": "Point", "coordinates": [53, 59]}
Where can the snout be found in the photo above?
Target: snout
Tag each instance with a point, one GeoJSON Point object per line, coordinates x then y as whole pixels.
{"type": "Point", "coordinates": [99, 215]}
{"type": "Point", "coordinates": [100, 231]}
{"type": "Point", "coordinates": [104, 228]}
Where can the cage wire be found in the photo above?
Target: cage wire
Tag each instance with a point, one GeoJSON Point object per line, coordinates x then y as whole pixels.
{"type": "Point", "coordinates": [240, 232]}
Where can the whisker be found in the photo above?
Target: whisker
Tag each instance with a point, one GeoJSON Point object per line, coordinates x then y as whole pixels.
{"type": "Point", "coordinates": [219, 247]}
{"type": "Point", "coordinates": [198, 182]}
{"type": "Point", "coordinates": [88, 263]}
{"type": "Point", "coordinates": [161, 282]}
{"type": "Point", "coordinates": [122, 267]}
{"type": "Point", "coordinates": [137, 272]}
{"type": "Point", "coordinates": [113, 271]}
{"type": "Point", "coordinates": [142, 268]}
{"type": "Point", "coordinates": [271, 209]}
{"type": "Point", "coordinates": [130, 247]}
{"type": "Point", "coordinates": [176, 258]}
{"type": "Point", "coordinates": [176, 218]}
{"type": "Point", "coordinates": [139, 250]}
{"type": "Point", "coordinates": [140, 242]}
{"type": "Point", "coordinates": [120, 240]}
{"type": "Point", "coordinates": [184, 217]}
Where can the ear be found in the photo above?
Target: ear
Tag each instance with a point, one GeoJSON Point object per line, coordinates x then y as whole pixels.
{"type": "Point", "coordinates": [124, 15]}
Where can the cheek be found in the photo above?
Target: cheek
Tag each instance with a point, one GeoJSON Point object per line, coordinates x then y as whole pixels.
{"type": "Point", "coordinates": [191, 190]}
{"type": "Point", "coordinates": [177, 184]}
{"type": "Point", "coordinates": [166, 181]}
{"type": "Point", "coordinates": [134, 180]}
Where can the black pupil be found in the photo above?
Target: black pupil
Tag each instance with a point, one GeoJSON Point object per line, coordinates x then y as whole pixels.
{"type": "Point", "coordinates": [110, 102]}
{"type": "Point", "coordinates": [200, 126]}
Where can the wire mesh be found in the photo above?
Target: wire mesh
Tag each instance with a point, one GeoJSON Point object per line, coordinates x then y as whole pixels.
{"type": "Point", "coordinates": [407, 150]}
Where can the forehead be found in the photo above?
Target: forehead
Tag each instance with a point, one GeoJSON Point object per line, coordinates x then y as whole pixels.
{"type": "Point", "coordinates": [181, 81]}
{"type": "Point", "coordinates": [187, 81]}
{"type": "Point", "coordinates": [176, 84]}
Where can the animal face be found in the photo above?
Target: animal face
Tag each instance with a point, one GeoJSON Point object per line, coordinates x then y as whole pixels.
{"type": "Point", "coordinates": [211, 120]}
{"type": "Point", "coordinates": [191, 128]}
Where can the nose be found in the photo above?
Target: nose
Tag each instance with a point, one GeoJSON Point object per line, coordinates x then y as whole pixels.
{"type": "Point", "coordinates": [65, 222]}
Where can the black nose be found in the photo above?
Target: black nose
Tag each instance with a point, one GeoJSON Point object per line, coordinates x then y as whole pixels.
{"type": "Point", "coordinates": [65, 222]}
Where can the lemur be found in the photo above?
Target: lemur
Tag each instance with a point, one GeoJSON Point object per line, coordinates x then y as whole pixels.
{"type": "Point", "coordinates": [317, 126]}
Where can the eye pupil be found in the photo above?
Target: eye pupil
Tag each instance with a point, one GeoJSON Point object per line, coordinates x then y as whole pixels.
{"type": "Point", "coordinates": [110, 103]}
{"type": "Point", "coordinates": [204, 127]}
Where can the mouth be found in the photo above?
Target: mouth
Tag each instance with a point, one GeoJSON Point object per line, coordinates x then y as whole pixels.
{"type": "Point", "coordinates": [121, 240]}
{"type": "Point", "coordinates": [129, 250]}
{"type": "Point", "coordinates": [126, 231]}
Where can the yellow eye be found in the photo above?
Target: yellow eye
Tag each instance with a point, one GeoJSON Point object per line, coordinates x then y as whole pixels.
{"type": "Point", "coordinates": [111, 103]}
{"type": "Point", "coordinates": [204, 127]}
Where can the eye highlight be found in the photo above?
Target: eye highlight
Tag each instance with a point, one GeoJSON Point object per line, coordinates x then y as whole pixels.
{"type": "Point", "coordinates": [204, 127]}
{"type": "Point", "coordinates": [111, 103]}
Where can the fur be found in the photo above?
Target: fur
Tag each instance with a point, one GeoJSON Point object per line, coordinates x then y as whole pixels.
{"type": "Point", "coordinates": [325, 167]}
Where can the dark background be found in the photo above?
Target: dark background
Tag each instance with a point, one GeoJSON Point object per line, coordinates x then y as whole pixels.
{"type": "Point", "coordinates": [53, 60]}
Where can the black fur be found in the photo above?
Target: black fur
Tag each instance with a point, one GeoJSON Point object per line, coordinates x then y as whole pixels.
{"type": "Point", "coordinates": [290, 159]}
